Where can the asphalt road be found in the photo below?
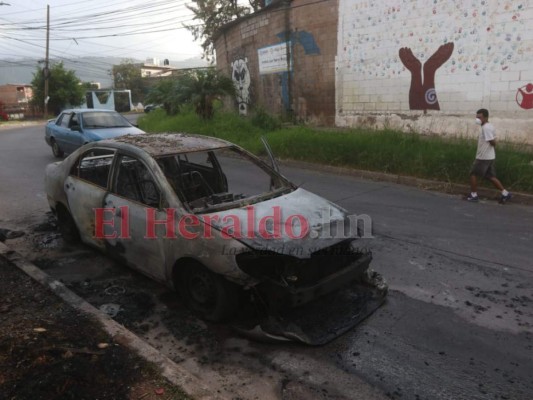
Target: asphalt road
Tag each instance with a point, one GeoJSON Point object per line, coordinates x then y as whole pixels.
{"type": "Point", "coordinates": [458, 323]}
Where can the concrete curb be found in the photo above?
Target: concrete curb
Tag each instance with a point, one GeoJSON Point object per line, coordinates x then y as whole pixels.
{"type": "Point", "coordinates": [425, 184]}
{"type": "Point", "coordinates": [22, 124]}
{"type": "Point", "coordinates": [175, 373]}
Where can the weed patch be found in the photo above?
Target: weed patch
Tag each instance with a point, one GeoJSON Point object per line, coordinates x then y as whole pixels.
{"type": "Point", "coordinates": [433, 157]}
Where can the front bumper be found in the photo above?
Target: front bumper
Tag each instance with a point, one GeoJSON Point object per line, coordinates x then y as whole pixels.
{"type": "Point", "coordinates": [277, 295]}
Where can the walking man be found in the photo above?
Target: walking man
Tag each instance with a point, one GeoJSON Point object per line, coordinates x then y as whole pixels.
{"type": "Point", "coordinates": [483, 166]}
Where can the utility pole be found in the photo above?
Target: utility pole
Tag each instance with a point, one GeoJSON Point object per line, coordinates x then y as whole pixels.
{"type": "Point", "coordinates": [46, 71]}
{"type": "Point", "coordinates": [289, 110]}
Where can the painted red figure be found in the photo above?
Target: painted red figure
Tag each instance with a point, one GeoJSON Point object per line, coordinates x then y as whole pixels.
{"type": "Point", "coordinates": [526, 102]}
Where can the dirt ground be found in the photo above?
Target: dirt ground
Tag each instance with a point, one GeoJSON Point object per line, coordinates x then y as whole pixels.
{"type": "Point", "coordinates": [48, 350]}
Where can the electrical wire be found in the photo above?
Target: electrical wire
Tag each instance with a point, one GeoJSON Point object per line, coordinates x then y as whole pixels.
{"type": "Point", "coordinates": [92, 26]}
{"type": "Point", "coordinates": [107, 20]}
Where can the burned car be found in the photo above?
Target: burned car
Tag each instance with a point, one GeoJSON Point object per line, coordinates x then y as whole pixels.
{"type": "Point", "coordinates": [210, 220]}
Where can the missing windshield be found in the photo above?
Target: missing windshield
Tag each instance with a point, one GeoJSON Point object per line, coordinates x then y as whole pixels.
{"type": "Point", "coordinates": [220, 179]}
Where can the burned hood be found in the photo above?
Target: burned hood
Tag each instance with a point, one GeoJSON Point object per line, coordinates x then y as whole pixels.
{"type": "Point", "coordinates": [298, 224]}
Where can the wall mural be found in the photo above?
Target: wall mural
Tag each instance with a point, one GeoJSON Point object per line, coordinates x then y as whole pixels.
{"type": "Point", "coordinates": [491, 43]}
{"type": "Point", "coordinates": [303, 38]}
{"type": "Point", "coordinates": [524, 96]}
{"type": "Point", "coordinates": [241, 79]}
{"type": "Point", "coordinates": [308, 43]}
{"type": "Point", "coordinates": [422, 93]}
{"type": "Point", "coordinates": [466, 23]}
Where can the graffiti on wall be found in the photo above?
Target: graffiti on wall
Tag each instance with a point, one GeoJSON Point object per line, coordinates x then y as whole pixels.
{"type": "Point", "coordinates": [490, 62]}
{"type": "Point", "coordinates": [308, 43]}
{"type": "Point", "coordinates": [524, 96]}
{"type": "Point", "coordinates": [241, 79]}
{"type": "Point", "coordinates": [422, 93]}
{"type": "Point", "coordinates": [468, 23]}
{"type": "Point", "coordinates": [303, 38]}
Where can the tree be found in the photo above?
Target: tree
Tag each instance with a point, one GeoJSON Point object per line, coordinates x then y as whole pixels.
{"type": "Point", "coordinates": [89, 86]}
{"type": "Point", "coordinates": [166, 92]}
{"type": "Point", "coordinates": [199, 88]}
{"type": "Point", "coordinates": [64, 88]}
{"type": "Point", "coordinates": [127, 75]}
{"type": "Point", "coordinates": [203, 87]}
{"type": "Point", "coordinates": [211, 15]}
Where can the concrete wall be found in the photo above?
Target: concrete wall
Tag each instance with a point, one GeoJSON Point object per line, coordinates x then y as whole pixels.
{"type": "Point", "coordinates": [428, 65]}
{"type": "Point", "coordinates": [251, 51]}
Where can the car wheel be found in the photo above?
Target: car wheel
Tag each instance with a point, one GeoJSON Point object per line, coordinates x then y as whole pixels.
{"type": "Point", "coordinates": [58, 153]}
{"type": "Point", "coordinates": [208, 294]}
{"type": "Point", "coordinates": [67, 226]}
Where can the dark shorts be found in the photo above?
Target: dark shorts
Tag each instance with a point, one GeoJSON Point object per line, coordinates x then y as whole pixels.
{"type": "Point", "coordinates": [483, 169]}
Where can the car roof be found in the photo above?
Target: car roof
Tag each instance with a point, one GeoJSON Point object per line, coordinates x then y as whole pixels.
{"type": "Point", "coordinates": [87, 110]}
{"type": "Point", "coordinates": [161, 144]}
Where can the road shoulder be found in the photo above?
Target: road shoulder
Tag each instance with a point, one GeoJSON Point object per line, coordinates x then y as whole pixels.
{"type": "Point", "coordinates": [175, 374]}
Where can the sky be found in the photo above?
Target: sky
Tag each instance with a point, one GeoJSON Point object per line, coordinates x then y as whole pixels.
{"type": "Point", "coordinates": [137, 29]}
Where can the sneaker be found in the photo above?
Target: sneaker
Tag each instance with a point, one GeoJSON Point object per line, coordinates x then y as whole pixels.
{"type": "Point", "coordinates": [474, 199]}
{"type": "Point", "coordinates": [505, 199]}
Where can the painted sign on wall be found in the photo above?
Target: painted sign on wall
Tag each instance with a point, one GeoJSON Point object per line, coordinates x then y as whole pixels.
{"type": "Point", "coordinates": [273, 59]}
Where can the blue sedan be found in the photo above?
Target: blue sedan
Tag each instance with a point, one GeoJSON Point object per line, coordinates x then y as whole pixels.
{"type": "Point", "coordinates": [74, 128]}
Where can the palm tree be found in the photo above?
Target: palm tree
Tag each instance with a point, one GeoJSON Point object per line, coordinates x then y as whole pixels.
{"type": "Point", "coordinates": [165, 93]}
{"type": "Point", "coordinates": [203, 87]}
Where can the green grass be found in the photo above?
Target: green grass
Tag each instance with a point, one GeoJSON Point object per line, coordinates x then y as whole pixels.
{"type": "Point", "coordinates": [434, 157]}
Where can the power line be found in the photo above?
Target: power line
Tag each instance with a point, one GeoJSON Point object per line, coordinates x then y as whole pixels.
{"type": "Point", "coordinates": [118, 20]}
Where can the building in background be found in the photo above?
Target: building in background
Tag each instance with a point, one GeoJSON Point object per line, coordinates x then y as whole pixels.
{"type": "Point", "coordinates": [393, 64]}
{"type": "Point", "coordinates": [282, 59]}
{"type": "Point", "coordinates": [16, 99]}
{"type": "Point", "coordinates": [152, 68]}
{"type": "Point", "coordinates": [109, 99]}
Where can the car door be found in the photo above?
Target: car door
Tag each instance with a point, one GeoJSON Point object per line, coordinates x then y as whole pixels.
{"type": "Point", "coordinates": [74, 137]}
{"type": "Point", "coordinates": [61, 131]}
{"type": "Point", "coordinates": [134, 199]}
{"type": "Point", "coordinates": [86, 187]}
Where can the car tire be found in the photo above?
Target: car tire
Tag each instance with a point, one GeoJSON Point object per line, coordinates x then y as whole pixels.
{"type": "Point", "coordinates": [67, 226]}
{"type": "Point", "coordinates": [58, 153]}
{"type": "Point", "coordinates": [207, 294]}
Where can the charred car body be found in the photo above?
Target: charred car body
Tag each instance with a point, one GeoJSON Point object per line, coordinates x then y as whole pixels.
{"type": "Point", "coordinates": [210, 220]}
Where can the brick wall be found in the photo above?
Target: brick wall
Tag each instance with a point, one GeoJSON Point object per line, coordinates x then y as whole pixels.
{"type": "Point", "coordinates": [490, 65]}
{"type": "Point", "coordinates": [15, 97]}
{"type": "Point", "coordinates": [308, 90]}
{"type": "Point", "coordinates": [14, 94]}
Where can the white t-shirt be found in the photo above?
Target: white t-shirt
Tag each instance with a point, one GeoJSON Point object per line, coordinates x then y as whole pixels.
{"type": "Point", "coordinates": [485, 151]}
